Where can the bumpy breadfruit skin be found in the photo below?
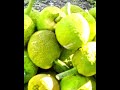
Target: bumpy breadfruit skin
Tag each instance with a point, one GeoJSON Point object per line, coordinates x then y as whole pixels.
{"type": "Point", "coordinates": [72, 31]}
{"type": "Point", "coordinates": [43, 48]}
{"type": "Point", "coordinates": [73, 82]}
{"type": "Point", "coordinates": [92, 11]}
{"type": "Point", "coordinates": [85, 59]}
{"type": "Point", "coordinates": [28, 28]}
{"type": "Point", "coordinates": [90, 19]}
{"type": "Point", "coordinates": [30, 69]}
{"type": "Point", "coordinates": [34, 14]}
{"type": "Point", "coordinates": [43, 82]}
{"type": "Point", "coordinates": [92, 24]}
{"type": "Point", "coordinates": [46, 18]}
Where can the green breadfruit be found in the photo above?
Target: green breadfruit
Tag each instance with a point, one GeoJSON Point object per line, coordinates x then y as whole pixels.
{"type": "Point", "coordinates": [92, 11]}
{"type": "Point", "coordinates": [28, 28]}
{"type": "Point", "coordinates": [75, 82]}
{"type": "Point", "coordinates": [48, 18]}
{"type": "Point", "coordinates": [85, 59]}
{"type": "Point", "coordinates": [90, 19]}
{"type": "Point", "coordinates": [43, 82]}
{"type": "Point", "coordinates": [30, 69]}
{"type": "Point", "coordinates": [43, 48]}
{"type": "Point", "coordinates": [72, 31]}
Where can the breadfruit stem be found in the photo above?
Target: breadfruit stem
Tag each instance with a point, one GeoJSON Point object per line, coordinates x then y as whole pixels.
{"type": "Point", "coordinates": [58, 18]}
{"type": "Point", "coordinates": [29, 7]}
{"type": "Point", "coordinates": [66, 73]}
{"type": "Point", "coordinates": [61, 64]}
{"type": "Point", "coordinates": [68, 8]}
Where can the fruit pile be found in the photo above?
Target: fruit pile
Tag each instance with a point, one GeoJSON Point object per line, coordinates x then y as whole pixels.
{"type": "Point", "coordinates": [59, 48]}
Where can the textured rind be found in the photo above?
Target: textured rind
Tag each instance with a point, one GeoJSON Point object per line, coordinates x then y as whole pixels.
{"type": "Point", "coordinates": [34, 14]}
{"type": "Point", "coordinates": [73, 82]}
{"type": "Point", "coordinates": [72, 31]}
{"type": "Point", "coordinates": [92, 11]}
{"type": "Point", "coordinates": [46, 18]}
{"type": "Point", "coordinates": [43, 82]}
{"type": "Point", "coordinates": [92, 24]}
{"type": "Point", "coordinates": [90, 19]}
{"type": "Point", "coordinates": [30, 68]}
{"type": "Point", "coordinates": [85, 59]}
{"type": "Point", "coordinates": [43, 48]}
{"type": "Point", "coordinates": [28, 28]}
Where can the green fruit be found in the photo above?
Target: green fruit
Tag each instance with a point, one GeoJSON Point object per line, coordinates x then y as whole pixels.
{"type": "Point", "coordinates": [28, 28]}
{"type": "Point", "coordinates": [43, 48]}
{"type": "Point", "coordinates": [74, 82]}
{"type": "Point", "coordinates": [66, 53]}
{"type": "Point", "coordinates": [94, 4]}
{"type": "Point", "coordinates": [28, 23]}
{"type": "Point", "coordinates": [90, 19]}
{"type": "Point", "coordinates": [72, 31]}
{"type": "Point", "coordinates": [92, 11]}
{"type": "Point", "coordinates": [68, 61]}
{"type": "Point", "coordinates": [29, 68]}
{"type": "Point", "coordinates": [86, 86]}
{"type": "Point", "coordinates": [92, 24]}
{"type": "Point", "coordinates": [66, 56]}
{"type": "Point", "coordinates": [43, 82]}
{"type": "Point", "coordinates": [85, 59]}
{"type": "Point", "coordinates": [73, 9]}
{"type": "Point", "coordinates": [34, 15]}
{"type": "Point", "coordinates": [57, 68]}
{"type": "Point", "coordinates": [47, 18]}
